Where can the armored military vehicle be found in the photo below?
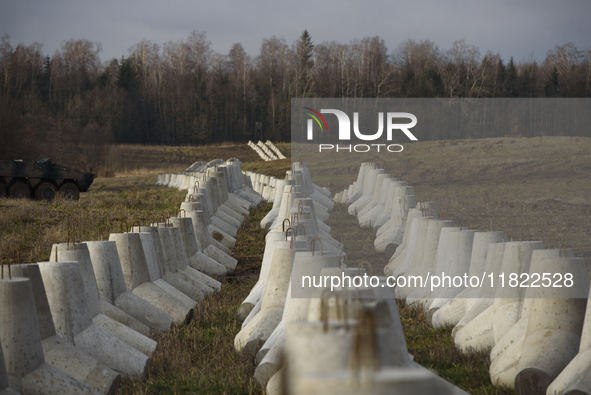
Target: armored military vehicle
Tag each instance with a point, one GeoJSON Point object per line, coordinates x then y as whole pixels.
{"type": "Point", "coordinates": [41, 180]}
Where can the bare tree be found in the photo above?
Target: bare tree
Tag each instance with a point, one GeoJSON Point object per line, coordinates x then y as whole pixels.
{"type": "Point", "coordinates": [462, 78]}
{"type": "Point", "coordinates": [565, 58]}
{"type": "Point", "coordinates": [5, 55]}
{"type": "Point", "coordinates": [331, 68]}
{"type": "Point", "coordinates": [587, 62]}
{"type": "Point", "coordinates": [80, 63]}
{"type": "Point", "coordinates": [145, 56]}
{"type": "Point", "coordinates": [199, 50]}
{"type": "Point", "coordinates": [241, 71]}
{"type": "Point", "coordinates": [274, 66]}
{"type": "Point", "coordinates": [417, 65]}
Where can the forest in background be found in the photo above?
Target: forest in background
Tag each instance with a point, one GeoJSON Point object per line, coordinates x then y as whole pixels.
{"type": "Point", "coordinates": [72, 106]}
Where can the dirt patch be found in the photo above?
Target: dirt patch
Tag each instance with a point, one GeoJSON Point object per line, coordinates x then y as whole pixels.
{"type": "Point", "coordinates": [531, 187]}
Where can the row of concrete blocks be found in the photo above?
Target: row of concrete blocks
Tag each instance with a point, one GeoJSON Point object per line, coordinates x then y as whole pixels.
{"type": "Point", "coordinates": [218, 200]}
{"type": "Point", "coordinates": [217, 204]}
{"type": "Point", "coordinates": [274, 148]}
{"type": "Point", "coordinates": [263, 184]}
{"type": "Point", "coordinates": [262, 151]}
{"type": "Point", "coordinates": [267, 151]}
{"type": "Point", "coordinates": [226, 185]}
{"type": "Point", "coordinates": [540, 336]}
{"type": "Point", "coordinates": [270, 153]}
{"type": "Point", "coordinates": [320, 196]}
{"type": "Point", "coordinates": [272, 189]}
{"type": "Point", "coordinates": [85, 318]}
{"type": "Point", "coordinates": [380, 202]}
{"type": "Point", "coordinates": [93, 307]}
{"type": "Point", "coordinates": [306, 342]}
{"type": "Point", "coordinates": [188, 180]}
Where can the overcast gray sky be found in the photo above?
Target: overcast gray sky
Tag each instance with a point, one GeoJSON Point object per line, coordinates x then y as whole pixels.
{"type": "Point", "coordinates": [510, 27]}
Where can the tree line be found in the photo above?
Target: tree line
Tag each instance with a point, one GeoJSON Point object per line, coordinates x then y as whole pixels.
{"type": "Point", "coordinates": [183, 92]}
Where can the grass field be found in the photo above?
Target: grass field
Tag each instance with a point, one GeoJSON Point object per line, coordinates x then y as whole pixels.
{"type": "Point", "coordinates": [527, 186]}
{"type": "Point", "coordinates": [111, 204]}
{"type": "Point", "coordinates": [131, 160]}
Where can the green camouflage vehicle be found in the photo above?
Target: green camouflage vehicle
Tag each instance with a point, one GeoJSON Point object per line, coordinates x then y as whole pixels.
{"type": "Point", "coordinates": [41, 180]}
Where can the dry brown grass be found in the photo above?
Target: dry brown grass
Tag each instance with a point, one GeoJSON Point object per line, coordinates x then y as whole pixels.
{"type": "Point", "coordinates": [529, 186]}
{"type": "Point", "coordinates": [199, 357]}
{"type": "Point", "coordinates": [33, 226]}
{"type": "Point", "coordinates": [250, 246]}
{"type": "Point", "coordinates": [357, 241]}
{"type": "Point", "coordinates": [523, 169]}
{"type": "Point", "coordinates": [133, 159]}
{"type": "Point", "coordinates": [142, 171]}
{"type": "Point", "coordinates": [274, 168]}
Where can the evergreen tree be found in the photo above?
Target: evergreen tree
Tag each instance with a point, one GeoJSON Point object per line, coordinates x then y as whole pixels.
{"type": "Point", "coordinates": [499, 84]}
{"type": "Point", "coordinates": [45, 79]}
{"type": "Point", "coordinates": [435, 82]}
{"type": "Point", "coordinates": [305, 50]}
{"type": "Point", "coordinates": [127, 76]}
{"type": "Point", "coordinates": [105, 78]}
{"type": "Point", "coordinates": [527, 81]}
{"type": "Point", "coordinates": [511, 80]}
{"type": "Point", "coordinates": [128, 127]}
{"type": "Point", "coordinates": [552, 89]}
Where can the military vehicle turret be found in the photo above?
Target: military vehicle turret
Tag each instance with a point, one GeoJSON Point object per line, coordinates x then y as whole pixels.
{"type": "Point", "coordinates": [41, 180]}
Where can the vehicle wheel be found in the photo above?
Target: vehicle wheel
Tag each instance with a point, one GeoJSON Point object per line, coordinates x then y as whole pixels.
{"type": "Point", "coordinates": [45, 191]}
{"type": "Point", "coordinates": [70, 191]}
{"type": "Point", "coordinates": [19, 190]}
{"type": "Point", "coordinates": [2, 191]}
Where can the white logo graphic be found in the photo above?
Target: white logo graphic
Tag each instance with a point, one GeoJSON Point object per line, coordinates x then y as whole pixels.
{"type": "Point", "coordinates": [345, 125]}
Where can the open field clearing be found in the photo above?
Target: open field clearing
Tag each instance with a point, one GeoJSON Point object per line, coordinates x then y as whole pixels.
{"type": "Point", "coordinates": [111, 204]}
{"type": "Point", "coordinates": [528, 187]}
{"type": "Point", "coordinates": [125, 160]}
{"type": "Point", "coordinates": [127, 195]}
